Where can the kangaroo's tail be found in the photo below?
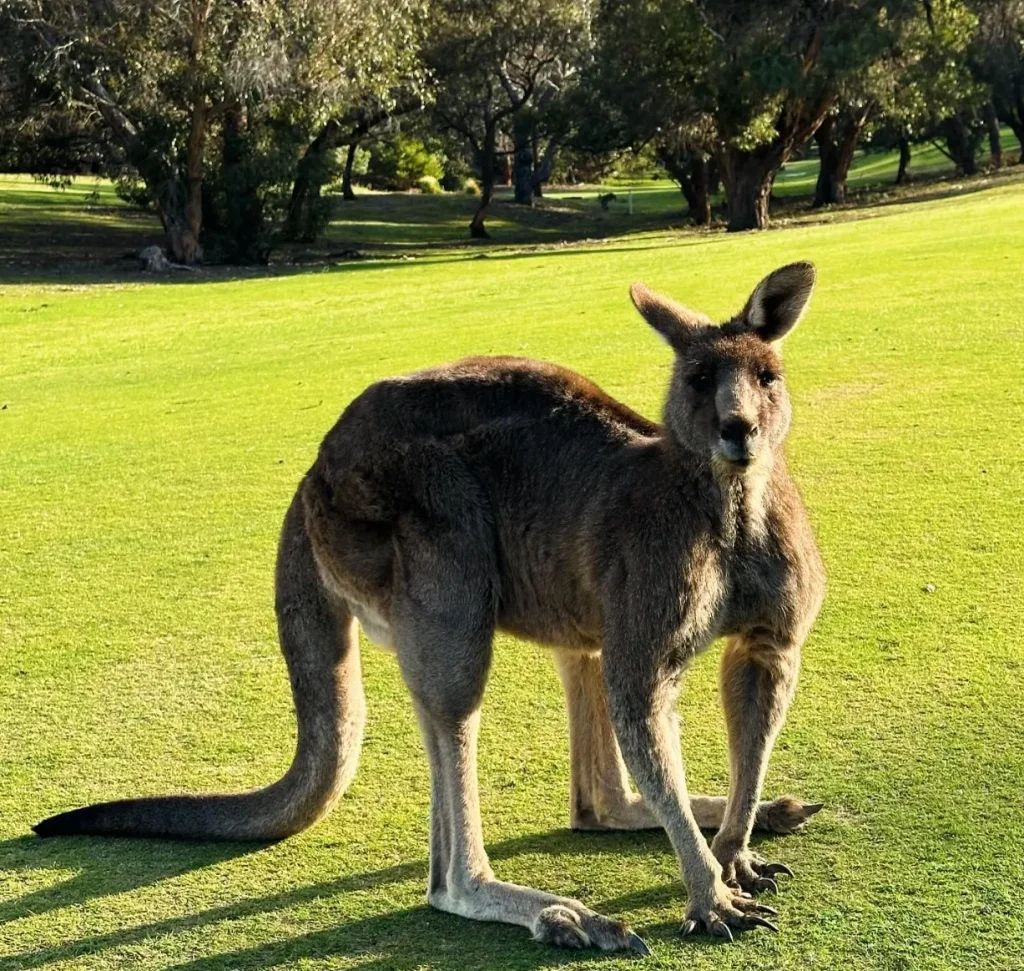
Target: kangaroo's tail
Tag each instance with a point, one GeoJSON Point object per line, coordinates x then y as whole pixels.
{"type": "Point", "coordinates": [319, 638]}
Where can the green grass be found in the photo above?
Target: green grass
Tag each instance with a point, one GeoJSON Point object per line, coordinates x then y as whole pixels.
{"type": "Point", "coordinates": [152, 433]}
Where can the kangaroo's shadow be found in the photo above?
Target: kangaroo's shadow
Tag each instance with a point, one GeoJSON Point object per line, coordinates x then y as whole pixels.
{"type": "Point", "coordinates": [403, 939]}
{"type": "Point", "coordinates": [103, 867]}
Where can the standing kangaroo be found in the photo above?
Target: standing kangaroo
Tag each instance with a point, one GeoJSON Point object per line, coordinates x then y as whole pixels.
{"type": "Point", "coordinates": [502, 493]}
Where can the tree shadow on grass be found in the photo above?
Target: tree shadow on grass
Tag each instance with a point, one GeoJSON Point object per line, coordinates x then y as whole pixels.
{"type": "Point", "coordinates": [399, 940]}
{"type": "Point", "coordinates": [82, 274]}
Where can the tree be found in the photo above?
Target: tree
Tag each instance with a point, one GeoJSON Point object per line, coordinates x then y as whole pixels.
{"type": "Point", "coordinates": [766, 76]}
{"type": "Point", "coordinates": [777, 78]}
{"type": "Point", "coordinates": [489, 62]}
{"type": "Point", "coordinates": [929, 91]}
{"type": "Point", "coordinates": [548, 121]}
{"type": "Point", "coordinates": [647, 85]}
{"type": "Point", "coordinates": [941, 96]}
{"type": "Point", "coordinates": [837, 138]}
{"type": "Point", "coordinates": [997, 59]}
{"type": "Point", "coordinates": [368, 72]}
{"type": "Point", "coordinates": [205, 102]}
{"type": "Point", "coordinates": [306, 214]}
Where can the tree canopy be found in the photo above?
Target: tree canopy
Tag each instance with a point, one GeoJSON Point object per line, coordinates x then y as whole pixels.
{"type": "Point", "coordinates": [226, 117]}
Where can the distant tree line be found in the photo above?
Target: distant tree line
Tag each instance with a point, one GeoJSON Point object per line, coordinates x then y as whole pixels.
{"type": "Point", "coordinates": [230, 118]}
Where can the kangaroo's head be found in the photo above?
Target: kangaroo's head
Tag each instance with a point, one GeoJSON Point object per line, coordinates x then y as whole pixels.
{"type": "Point", "coordinates": [728, 401]}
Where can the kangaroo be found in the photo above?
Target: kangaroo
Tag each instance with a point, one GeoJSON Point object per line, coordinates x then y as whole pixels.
{"type": "Point", "coordinates": [504, 493]}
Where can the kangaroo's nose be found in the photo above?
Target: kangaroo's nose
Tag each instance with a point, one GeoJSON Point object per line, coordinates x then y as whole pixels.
{"type": "Point", "coordinates": [737, 430]}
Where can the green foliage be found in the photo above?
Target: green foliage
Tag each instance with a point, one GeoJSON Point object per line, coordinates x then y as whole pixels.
{"type": "Point", "coordinates": [471, 187]}
{"type": "Point", "coordinates": [642, 164]}
{"type": "Point", "coordinates": [400, 161]}
{"type": "Point", "coordinates": [997, 58]}
{"type": "Point", "coordinates": [133, 191]}
{"type": "Point", "coordinates": [429, 186]}
{"type": "Point", "coordinates": [361, 162]}
{"type": "Point", "coordinates": [574, 167]}
{"type": "Point", "coordinates": [170, 85]}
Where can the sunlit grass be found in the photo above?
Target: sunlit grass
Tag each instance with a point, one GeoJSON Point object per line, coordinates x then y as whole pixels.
{"type": "Point", "coordinates": [152, 433]}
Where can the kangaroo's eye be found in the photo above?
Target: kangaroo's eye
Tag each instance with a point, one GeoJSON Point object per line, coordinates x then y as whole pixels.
{"type": "Point", "coordinates": [702, 380]}
{"type": "Point", "coordinates": [767, 378]}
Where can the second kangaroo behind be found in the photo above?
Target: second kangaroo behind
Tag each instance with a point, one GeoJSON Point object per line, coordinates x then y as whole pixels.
{"type": "Point", "coordinates": [502, 493]}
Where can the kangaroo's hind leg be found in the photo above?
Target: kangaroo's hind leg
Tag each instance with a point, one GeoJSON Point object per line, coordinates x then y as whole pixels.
{"type": "Point", "coordinates": [600, 795]}
{"type": "Point", "coordinates": [442, 619]}
{"type": "Point", "coordinates": [461, 879]}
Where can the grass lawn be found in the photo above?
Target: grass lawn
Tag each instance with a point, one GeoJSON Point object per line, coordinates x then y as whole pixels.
{"type": "Point", "coordinates": [152, 432]}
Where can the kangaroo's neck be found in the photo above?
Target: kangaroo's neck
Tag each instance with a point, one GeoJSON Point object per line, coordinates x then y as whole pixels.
{"type": "Point", "coordinates": [738, 502]}
{"type": "Point", "coordinates": [745, 504]}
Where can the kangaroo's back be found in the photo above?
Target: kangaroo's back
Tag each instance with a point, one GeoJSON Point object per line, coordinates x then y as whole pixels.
{"type": "Point", "coordinates": [523, 453]}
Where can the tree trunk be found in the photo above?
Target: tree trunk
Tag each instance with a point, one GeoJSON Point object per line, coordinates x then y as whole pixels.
{"type": "Point", "coordinates": [960, 144]}
{"type": "Point", "coordinates": [241, 236]}
{"type": "Point", "coordinates": [837, 139]}
{"type": "Point", "coordinates": [182, 240]}
{"type": "Point", "coordinates": [346, 180]}
{"type": "Point", "coordinates": [540, 176]}
{"type": "Point", "coordinates": [828, 190]}
{"type": "Point", "coordinates": [699, 199]}
{"type": "Point", "coordinates": [477, 230]}
{"type": "Point", "coordinates": [1009, 109]}
{"type": "Point", "coordinates": [901, 173]}
{"type": "Point", "coordinates": [522, 161]}
{"type": "Point", "coordinates": [690, 170]}
{"type": "Point", "coordinates": [848, 147]}
{"type": "Point", "coordinates": [749, 177]}
{"type": "Point", "coordinates": [714, 176]}
{"type": "Point", "coordinates": [194, 174]}
{"type": "Point", "coordinates": [1018, 130]}
{"type": "Point", "coordinates": [543, 167]}
{"type": "Point", "coordinates": [309, 177]}
{"type": "Point", "coordinates": [180, 207]}
{"type": "Point", "coordinates": [693, 182]}
{"type": "Point", "coordinates": [995, 142]}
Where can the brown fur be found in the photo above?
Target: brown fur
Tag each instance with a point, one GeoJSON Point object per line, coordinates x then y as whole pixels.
{"type": "Point", "coordinates": [501, 493]}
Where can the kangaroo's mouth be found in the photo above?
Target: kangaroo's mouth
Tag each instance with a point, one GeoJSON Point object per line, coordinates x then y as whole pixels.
{"type": "Point", "coordinates": [740, 455]}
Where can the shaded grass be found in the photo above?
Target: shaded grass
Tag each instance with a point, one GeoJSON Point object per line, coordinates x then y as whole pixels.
{"type": "Point", "coordinates": [152, 435]}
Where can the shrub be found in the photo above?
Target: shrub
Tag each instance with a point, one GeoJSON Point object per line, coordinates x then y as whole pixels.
{"type": "Point", "coordinates": [429, 186]}
{"type": "Point", "coordinates": [400, 163]}
{"type": "Point", "coordinates": [471, 187]}
{"type": "Point", "coordinates": [451, 182]}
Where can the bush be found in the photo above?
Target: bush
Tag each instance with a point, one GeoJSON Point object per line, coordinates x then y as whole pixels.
{"type": "Point", "coordinates": [429, 186]}
{"type": "Point", "coordinates": [451, 182]}
{"type": "Point", "coordinates": [400, 162]}
{"type": "Point", "coordinates": [471, 187]}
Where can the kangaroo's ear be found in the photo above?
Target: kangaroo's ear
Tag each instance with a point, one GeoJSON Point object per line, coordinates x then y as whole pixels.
{"type": "Point", "coordinates": [779, 301]}
{"type": "Point", "coordinates": [670, 319]}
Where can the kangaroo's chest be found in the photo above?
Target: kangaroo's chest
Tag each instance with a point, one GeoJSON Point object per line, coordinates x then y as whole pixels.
{"type": "Point", "coordinates": [758, 583]}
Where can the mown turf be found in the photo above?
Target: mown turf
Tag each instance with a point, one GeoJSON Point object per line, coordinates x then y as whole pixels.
{"type": "Point", "coordinates": [151, 435]}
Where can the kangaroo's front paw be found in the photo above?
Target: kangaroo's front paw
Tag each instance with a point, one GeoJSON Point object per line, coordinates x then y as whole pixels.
{"type": "Point", "coordinates": [724, 911]}
{"type": "Point", "coordinates": [747, 871]}
{"type": "Point", "coordinates": [576, 926]}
